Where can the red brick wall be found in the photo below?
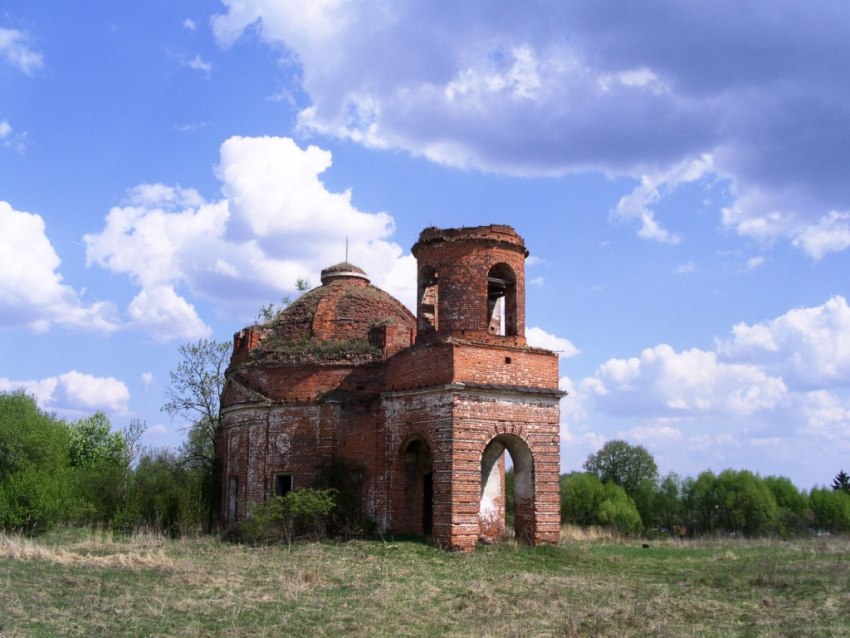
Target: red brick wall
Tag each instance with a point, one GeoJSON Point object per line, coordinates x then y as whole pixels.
{"type": "Point", "coordinates": [300, 383]}
{"type": "Point", "coordinates": [440, 362]}
{"type": "Point", "coordinates": [420, 367]}
{"type": "Point", "coordinates": [492, 364]}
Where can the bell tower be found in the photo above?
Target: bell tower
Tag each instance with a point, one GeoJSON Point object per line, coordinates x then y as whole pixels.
{"type": "Point", "coordinates": [469, 391]}
{"type": "Point", "coordinates": [471, 284]}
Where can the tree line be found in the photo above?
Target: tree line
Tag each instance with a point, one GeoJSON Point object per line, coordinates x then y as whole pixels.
{"type": "Point", "coordinates": [621, 488]}
{"type": "Point", "coordinates": [54, 471]}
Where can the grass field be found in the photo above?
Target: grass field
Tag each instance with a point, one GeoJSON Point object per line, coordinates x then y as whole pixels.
{"type": "Point", "coordinates": [83, 583]}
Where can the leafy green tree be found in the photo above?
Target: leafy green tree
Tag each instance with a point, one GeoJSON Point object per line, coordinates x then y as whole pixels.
{"type": "Point", "coordinates": [152, 501]}
{"type": "Point", "coordinates": [702, 501]}
{"type": "Point", "coordinates": [194, 393]}
{"type": "Point", "coordinates": [164, 495]}
{"type": "Point", "coordinates": [581, 495]}
{"type": "Point", "coordinates": [618, 511]}
{"type": "Point", "coordinates": [34, 472]}
{"type": "Point", "coordinates": [92, 442]}
{"type": "Point", "coordinates": [733, 501]}
{"type": "Point", "coordinates": [747, 506]}
{"type": "Point", "coordinates": [841, 482]}
{"type": "Point", "coordinates": [793, 517]}
{"type": "Point", "coordinates": [668, 507]}
{"type": "Point", "coordinates": [99, 459]}
{"type": "Point", "coordinates": [586, 500]}
{"type": "Point", "coordinates": [831, 509]}
{"type": "Point", "coordinates": [629, 466]}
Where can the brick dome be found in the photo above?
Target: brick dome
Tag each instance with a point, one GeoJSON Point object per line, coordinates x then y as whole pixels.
{"type": "Point", "coordinates": [336, 320]}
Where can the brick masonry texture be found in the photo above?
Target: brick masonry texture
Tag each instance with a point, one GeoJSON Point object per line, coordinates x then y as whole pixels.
{"type": "Point", "coordinates": [427, 404]}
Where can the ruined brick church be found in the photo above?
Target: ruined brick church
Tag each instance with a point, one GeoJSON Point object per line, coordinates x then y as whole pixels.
{"type": "Point", "coordinates": [427, 405]}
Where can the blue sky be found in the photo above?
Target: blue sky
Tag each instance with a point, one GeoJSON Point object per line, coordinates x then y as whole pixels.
{"type": "Point", "coordinates": [679, 172]}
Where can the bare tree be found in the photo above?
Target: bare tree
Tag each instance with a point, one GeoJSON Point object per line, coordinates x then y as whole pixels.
{"type": "Point", "coordinates": [194, 393]}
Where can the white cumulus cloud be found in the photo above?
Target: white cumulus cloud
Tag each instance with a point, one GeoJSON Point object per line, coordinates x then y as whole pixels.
{"type": "Point", "coordinates": [167, 315]}
{"type": "Point", "coordinates": [276, 223]}
{"type": "Point", "coordinates": [665, 382]}
{"type": "Point", "coordinates": [809, 347]}
{"type": "Point", "coordinates": [831, 233]}
{"type": "Point", "coordinates": [637, 205]}
{"type": "Point", "coordinates": [539, 338]}
{"type": "Point", "coordinates": [74, 391]}
{"type": "Point", "coordinates": [31, 289]}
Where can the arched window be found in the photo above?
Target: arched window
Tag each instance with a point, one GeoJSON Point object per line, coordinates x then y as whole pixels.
{"type": "Point", "coordinates": [428, 300]}
{"type": "Point", "coordinates": [501, 300]}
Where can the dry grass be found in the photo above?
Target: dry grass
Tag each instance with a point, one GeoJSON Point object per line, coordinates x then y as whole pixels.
{"type": "Point", "coordinates": [93, 584]}
{"type": "Point", "coordinates": [576, 534]}
{"type": "Point", "coordinates": [99, 550]}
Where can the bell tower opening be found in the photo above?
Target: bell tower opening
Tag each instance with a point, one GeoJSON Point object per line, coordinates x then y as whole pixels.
{"type": "Point", "coordinates": [427, 318]}
{"type": "Point", "coordinates": [501, 301]}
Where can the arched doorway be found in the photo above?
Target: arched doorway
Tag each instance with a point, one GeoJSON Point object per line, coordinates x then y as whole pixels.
{"type": "Point", "coordinates": [491, 514]}
{"type": "Point", "coordinates": [418, 484]}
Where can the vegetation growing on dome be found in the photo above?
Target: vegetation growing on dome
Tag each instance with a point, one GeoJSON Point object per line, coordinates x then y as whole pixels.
{"type": "Point", "coordinates": [275, 348]}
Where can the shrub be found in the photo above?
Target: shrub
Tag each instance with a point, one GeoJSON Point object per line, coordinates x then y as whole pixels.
{"type": "Point", "coordinates": [301, 513]}
{"type": "Point", "coordinates": [166, 495]}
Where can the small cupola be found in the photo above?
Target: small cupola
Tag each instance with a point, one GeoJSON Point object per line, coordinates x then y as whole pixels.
{"type": "Point", "coordinates": [343, 270]}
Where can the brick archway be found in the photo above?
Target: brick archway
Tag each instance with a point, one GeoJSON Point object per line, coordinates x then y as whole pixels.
{"type": "Point", "coordinates": [491, 515]}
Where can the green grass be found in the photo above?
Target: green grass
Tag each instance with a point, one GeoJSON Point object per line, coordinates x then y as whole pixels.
{"type": "Point", "coordinates": [79, 583]}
